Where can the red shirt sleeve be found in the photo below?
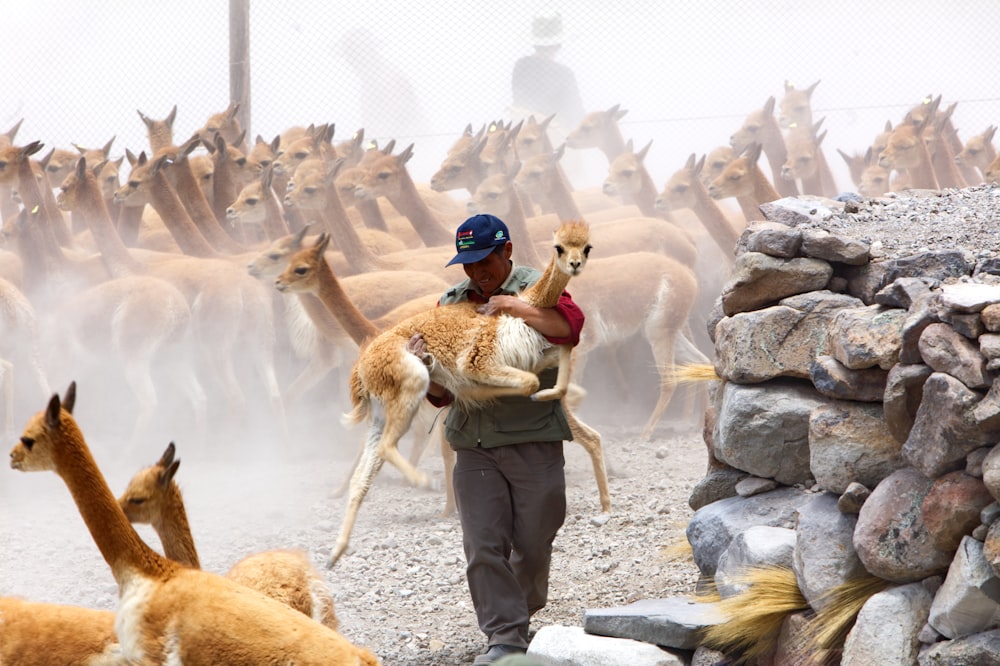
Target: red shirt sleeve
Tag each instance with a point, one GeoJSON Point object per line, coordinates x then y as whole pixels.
{"type": "Point", "coordinates": [573, 315]}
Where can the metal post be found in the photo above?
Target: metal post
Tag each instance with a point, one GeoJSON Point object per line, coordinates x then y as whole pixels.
{"type": "Point", "coordinates": [239, 61]}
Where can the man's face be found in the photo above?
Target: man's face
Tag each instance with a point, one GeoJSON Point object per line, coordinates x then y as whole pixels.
{"type": "Point", "coordinates": [489, 273]}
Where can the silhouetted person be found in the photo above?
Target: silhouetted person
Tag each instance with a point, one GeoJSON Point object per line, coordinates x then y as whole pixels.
{"type": "Point", "coordinates": [389, 103]}
{"type": "Point", "coordinates": [541, 85]}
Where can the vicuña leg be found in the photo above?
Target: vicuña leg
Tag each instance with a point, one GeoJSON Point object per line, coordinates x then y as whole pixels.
{"type": "Point", "coordinates": [696, 394]}
{"type": "Point", "coordinates": [423, 423]}
{"type": "Point", "coordinates": [590, 440]}
{"type": "Point", "coordinates": [7, 389]}
{"type": "Point", "coordinates": [562, 379]}
{"type": "Point", "coordinates": [364, 474]}
{"type": "Point", "coordinates": [389, 422]}
{"type": "Point", "coordinates": [662, 342]}
{"type": "Point", "coordinates": [499, 382]}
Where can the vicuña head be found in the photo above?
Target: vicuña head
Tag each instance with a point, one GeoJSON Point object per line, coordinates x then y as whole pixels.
{"type": "Point", "coordinates": [571, 242]}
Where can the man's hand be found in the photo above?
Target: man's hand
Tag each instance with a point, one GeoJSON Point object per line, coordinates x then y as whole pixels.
{"type": "Point", "coordinates": [417, 346]}
{"type": "Point", "coordinates": [502, 305]}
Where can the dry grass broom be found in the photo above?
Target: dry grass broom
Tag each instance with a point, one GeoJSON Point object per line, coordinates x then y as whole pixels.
{"type": "Point", "coordinates": [755, 616]}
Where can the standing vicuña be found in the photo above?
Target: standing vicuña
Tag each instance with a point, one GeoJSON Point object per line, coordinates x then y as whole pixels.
{"type": "Point", "coordinates": [477, 358]}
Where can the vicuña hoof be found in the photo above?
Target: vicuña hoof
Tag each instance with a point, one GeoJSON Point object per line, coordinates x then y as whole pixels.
{"type": "Point", "coordinates": [547, 394]}
{"type": "Point", "coordinates": [335, 556]}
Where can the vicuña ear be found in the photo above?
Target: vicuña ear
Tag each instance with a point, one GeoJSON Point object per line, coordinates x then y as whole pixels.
{"type": "Point", "coordinates": [167, 475]}
{"type": "Point", "coordinates": [52, 412]}
{"type": "Point", "coordinates": [69, 399]}
{"type": "Point", "coordinates": [168, 455]}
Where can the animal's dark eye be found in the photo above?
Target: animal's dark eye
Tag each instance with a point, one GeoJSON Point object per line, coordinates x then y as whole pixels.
{"type": "Point", "coordinates": [28, 442]}
{"type": "Point", "coordinates": [586, 250]}
{"type": "Point", "coordinates": [560, 250]}
{"type": "Point", "coordinates": [301, 270]}
{"type": "Point", "coordinates": [136, 500]}
{"type": "Point", "coordinates": [251, 201]}
{"type": "Point", "coordinates": [274, 257]}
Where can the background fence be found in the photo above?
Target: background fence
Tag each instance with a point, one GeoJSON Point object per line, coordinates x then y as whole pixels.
{"type": "Point", "coordinates": [420, 72]}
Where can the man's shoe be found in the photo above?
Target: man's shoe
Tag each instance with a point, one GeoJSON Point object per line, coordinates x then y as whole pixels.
{"type": "Point", "coordinates": [497, 652]}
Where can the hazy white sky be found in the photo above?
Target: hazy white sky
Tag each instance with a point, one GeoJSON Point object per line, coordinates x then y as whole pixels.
{"type": "Point", "coordinates": [77, 72]}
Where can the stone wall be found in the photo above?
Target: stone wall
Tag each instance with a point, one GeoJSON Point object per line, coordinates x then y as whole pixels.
{"type": "Point", "coordinates": [852, 434]}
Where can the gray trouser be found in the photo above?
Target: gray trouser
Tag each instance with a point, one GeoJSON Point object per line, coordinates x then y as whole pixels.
{"type": "Point", "coordinates": [512, 501]}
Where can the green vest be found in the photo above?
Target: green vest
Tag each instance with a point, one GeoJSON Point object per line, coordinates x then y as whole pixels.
{"type": "Point", "coordinates": [510, 420]}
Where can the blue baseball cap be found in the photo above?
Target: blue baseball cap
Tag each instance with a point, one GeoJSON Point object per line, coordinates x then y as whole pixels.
{"type": "Point", "coordinates": [477, 237]}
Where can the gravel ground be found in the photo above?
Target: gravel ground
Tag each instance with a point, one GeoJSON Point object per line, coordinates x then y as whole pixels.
{"type": "Point", "coordinates": [901, 224]}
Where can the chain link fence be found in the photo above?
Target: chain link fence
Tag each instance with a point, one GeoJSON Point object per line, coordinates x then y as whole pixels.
{"type": "Point", "coordinates": [420, 72]}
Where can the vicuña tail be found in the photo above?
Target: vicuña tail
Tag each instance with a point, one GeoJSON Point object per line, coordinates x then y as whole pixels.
{"type": "Point", "coordinates": [360, 399]}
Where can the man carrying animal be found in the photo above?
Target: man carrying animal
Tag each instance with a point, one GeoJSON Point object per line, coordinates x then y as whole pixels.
{"type": "Point", "coordinates": [509, 479]}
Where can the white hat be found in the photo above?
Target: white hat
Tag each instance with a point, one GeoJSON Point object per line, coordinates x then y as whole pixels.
{"type": "Point", "coordinates": [547, 30]}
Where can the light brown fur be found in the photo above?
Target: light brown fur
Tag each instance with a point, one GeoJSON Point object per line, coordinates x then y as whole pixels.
{"type": "Point", "coordinates": [160, 132]}
{"type": "Point", "coordinates": [761, 126]}
{"type": "Point", "coordinates": [979, 151]}
{"type": "Point", "coordinates": [153, 497]}
{"type": "Point", "coordinates": [629, 179]}
{"type": "Point", "coordinates": [943, 145]}
{"type": "Point", "coordinates": [313, 189]}
{"type": "Point", "coordinates": [874, 180]}
{"type": "Point", "coordinates": [8, 207]}
{"type": "Point", "coordinates": [599, 129]}
{"type": "Point", "coordinates": [533, 138]}
{"type": "Point", "coordinates": [170, 613]}
{"type": "Point", "coordinates": [257, 205]}
{"type": "Point", "coordinates": [472, 360]}
{"type": "Point", "coordinates": [807, 163]}
{"type": "Point", "coordinates": [224, 124]}
{"type": "Point", "coordinates": [314, 141]}
{"type": "Point", "coordinates": [795, 109]}
{"type": "Point", "coordinates": [387, 176]}
{"type": "Point", "coordinates": [18, 341]}
{"type": "Point", "coordinates": [497, 155]}
{"type": "Point", "coordinates": [33, 633]}
{"type": "Point", "coordinates": [743, 179]}
{"type": "Point", "coordinates": [461, 168]}
{"type": "Point", "coordinates": [200, 206]}
{"type": "Point", "coordinates": [685, 189]}
{"type": "Point", "coordinates": [906, 151]}
{"type": "Point", "coordinates": [715, 161]}
{"type": "Point", "coordinates": [229, 174]}
{"type": "Point", "coordinates": [992, 173]}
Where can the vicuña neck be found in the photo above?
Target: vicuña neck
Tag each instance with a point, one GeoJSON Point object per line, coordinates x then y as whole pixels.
{"type": "Point", "coordinates": [120, 545]}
